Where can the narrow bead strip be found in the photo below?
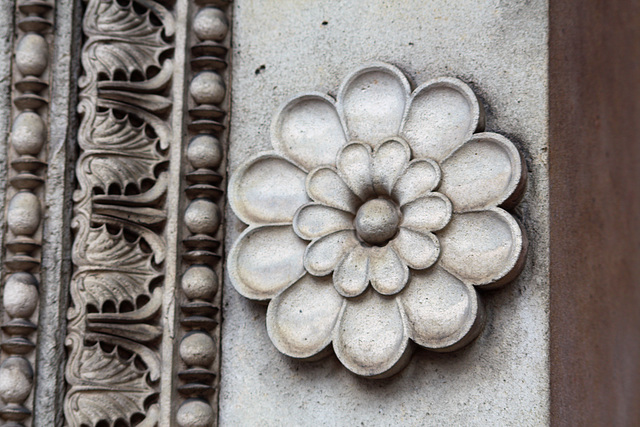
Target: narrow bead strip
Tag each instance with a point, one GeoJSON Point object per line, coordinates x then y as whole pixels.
{"type": "Point", "coordinates": [200, 298]}
{"type": "Point", "coordinates": [27, 156]}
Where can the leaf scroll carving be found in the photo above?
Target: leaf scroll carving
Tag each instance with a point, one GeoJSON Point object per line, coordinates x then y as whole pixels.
{"type": "Point", "coordinates": [122, 40]}
{"type": "Point", "coordinates": [115, 326]}
{"type": "Point", "coordinates": [105, 375]}
{"type": "Point", "coordinates": [107, 138]}
{"type": "Point", "coordinates": [103, 280]}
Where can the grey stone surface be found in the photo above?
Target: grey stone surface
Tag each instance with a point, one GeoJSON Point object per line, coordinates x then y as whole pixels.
{"type": "Point", "coordinates": [56, 258]}
{"type": "Point", "coordinates": [6, 48]}
{"type": "Point", "coordinates": [500, 48]}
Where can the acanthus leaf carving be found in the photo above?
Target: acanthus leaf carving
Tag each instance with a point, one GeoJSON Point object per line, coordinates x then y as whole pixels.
{"type": "Point", "coordinates": [107, 138]}
{"type": "Point", "coordinates": [120, 212]}
{"type": "Point", "coordinates": [114, 269]}
{"type": "Point", "coordinates": [120, 39]}
{"type": "Point", "coordinates": [104, 375]}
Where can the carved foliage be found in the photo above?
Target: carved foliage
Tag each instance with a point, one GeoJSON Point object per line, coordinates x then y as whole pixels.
{"type": "Point", "coordinates": [104, 374]}
{"type": "Point", "coordinates": [121, 40]}
{"type": "Point", "coordinates": [119, 214]}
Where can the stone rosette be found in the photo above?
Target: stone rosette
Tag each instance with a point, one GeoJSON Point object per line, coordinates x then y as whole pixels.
{"type": "Point", "coordinates": [375, 219]}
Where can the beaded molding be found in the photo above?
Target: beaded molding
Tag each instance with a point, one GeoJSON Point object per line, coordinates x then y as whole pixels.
{"type": "Point", "coordinates": [200, 296]}
{"type": "Point", "coordinates": [22, 255]}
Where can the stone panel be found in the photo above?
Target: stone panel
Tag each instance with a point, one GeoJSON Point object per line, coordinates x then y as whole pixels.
{"type": "Point", "coordinates": [286, 48]}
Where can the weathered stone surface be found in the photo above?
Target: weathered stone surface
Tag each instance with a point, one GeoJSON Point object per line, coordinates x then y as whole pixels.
{"type": "Point", "coordinates": [56, 260]}
{"type": "Point", "coordinates": [500, 51]}
{"type": "Point", "coordinates": [6, 50]}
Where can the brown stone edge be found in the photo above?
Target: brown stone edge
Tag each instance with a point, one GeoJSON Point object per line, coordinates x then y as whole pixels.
{"type": "Point", "coordinates": [594, 170]}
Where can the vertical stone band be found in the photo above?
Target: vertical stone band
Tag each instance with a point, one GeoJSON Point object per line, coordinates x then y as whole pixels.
{"type": "Point", "coordinates": [56, 259]}
{"type": "Point", "coordinates": [143, 332]}
{"type": "Point", "coordinates": [27, 156]}
{"type": "Point", "coordinates": [122, 264]}
{"type": "Point", "coordinates": [200, 295]}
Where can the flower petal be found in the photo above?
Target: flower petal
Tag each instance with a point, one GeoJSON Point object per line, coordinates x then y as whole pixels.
{"type": "Point", "coordinates": [322, 255]}
{"type": "Point", "coordinates": [354, 165]}
{"type": "Point", "coordinates": [264, 260]}
{"type": "Point", "coordinates": [300, 321]}
{"type": "Point", "coordinates": [442, 114]}
{"type": "Point", "coordinates": [442, 312]}
{"type": "Point", "coordinates": [314, 220]}
{"type": "Point", "coordinates": [351, 276]}
{"type": "Point", "coordinates": [307, 130]}
{"type": "Point", "coordinates": [371, 338]}
{"type": "Point", "coordinates": [420, 177]}
{"type": "Point", "coordinates": [388, 273]}
{"type": "Point", "coordinates": [324, 185]}
{"type": "Point", "coordinates": [371, 102]}
{"type": "Point", "coordinates": [418, 250]}
{"type": "Point", "coordinates": [390, 159]}
{"type": "Point", "coordinates": [483, 248]}
{"type": "Point", "coordinates": [427, 213]}
{"type": "Point", "coordinates": [486, 171]}
{"type": "Point", "coordinates": [267, 190]}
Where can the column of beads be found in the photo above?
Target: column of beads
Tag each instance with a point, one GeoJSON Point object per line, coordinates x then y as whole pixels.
{"type": "Point", "coordinates": [29, 135]}
{"type": "Point", "coordinates": [200, 294]}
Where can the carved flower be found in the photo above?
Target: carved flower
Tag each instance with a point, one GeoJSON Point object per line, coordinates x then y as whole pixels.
{"type": "Point", "coordinates": [374, 220]}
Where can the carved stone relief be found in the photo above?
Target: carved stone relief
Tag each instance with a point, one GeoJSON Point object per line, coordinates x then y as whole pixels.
{"type": "Point", "coordinates": [200, 297]}
{"type": "Point", "coordinates": [22, 253]}
{"type": "Point", "coordinates": [114, 328]}
{"type": "Point", "coordinates": [376, 219]}
{"type": "Point", "coordinates": [143, 333]}
{"type": "Point", "coordinates": [371, 226]}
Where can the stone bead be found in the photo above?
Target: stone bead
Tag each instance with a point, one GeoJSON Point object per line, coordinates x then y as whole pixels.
{"type": "Point", "coordinates": [195, 413]}
{"type": "Point", "coordinates": [28, 133]}
{"type": "Point", "coordinates": [207, 87]}
{"type": "Point", "coordinates": [24, 213]}
{"type": "Point", "coordinates": [204, 151]}
{"type": "Point", "coordinates": [202, 216]}
{"type": "Point", "coordinates": [16, 379]}
{"type": "Point", "coordinates": [32, 54]}
{"type": "Point", "coordinates": [197, 348]}
{"type": "Point", "coordinates": [20, 295]}
{"type": "Point", "coordinates": [210, 24]}
{"type": "Point", "coordinates": [200, 282]}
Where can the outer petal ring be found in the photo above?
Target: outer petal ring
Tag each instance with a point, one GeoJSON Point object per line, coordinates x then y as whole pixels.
{"type": "Point", "coordinates": [429, 128]}
{"type": "Point", "coordinates": [389, 91]}
{"type": "Point", "coordinates": [493, 173]}
{"type": "Point", "coordinates": [298, 325]}
{"type": "Point", "coordinates": [443, 313]}
{"type": "Point", "coordinates": [367, 351]}
{"type": "Point", "coordinates": [249, 279]}
{"type": "Point", "coordinates": [308, 130]}
{"type": "Point", "coordinates": [489, 278]}
{"type": "Point", "coordinates": [254, 204]}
